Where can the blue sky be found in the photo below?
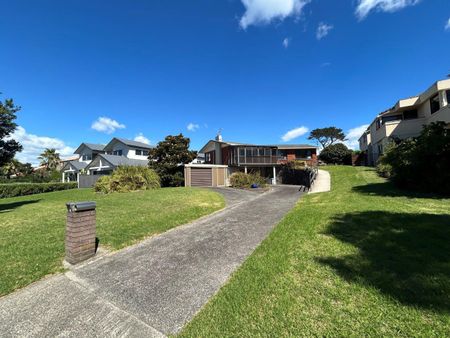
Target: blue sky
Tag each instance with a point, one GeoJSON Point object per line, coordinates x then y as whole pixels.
{"type": "Point", "coordinates": [257, 69]}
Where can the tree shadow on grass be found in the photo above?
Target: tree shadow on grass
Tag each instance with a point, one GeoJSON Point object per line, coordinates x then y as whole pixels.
{"type": "Point", "coordinates": [6, 207]}
{"type": "Point", "coordinates": [388, 189]}
{"type": "Point", "coordinates": [405, 256]}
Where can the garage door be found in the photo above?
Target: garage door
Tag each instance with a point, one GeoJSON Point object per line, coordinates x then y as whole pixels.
{"type": "Point", "coordinates": [201, 177]}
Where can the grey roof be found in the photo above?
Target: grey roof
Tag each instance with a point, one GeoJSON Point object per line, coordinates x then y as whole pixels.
{"type": "Point", "coordinates": [132, 143]}
{"type": "Point", "coordinates": [76, 164]}
{"type": "Point", "coordinates": [92, 146]}
{"type": "Point", "coordinates": [117, 160]}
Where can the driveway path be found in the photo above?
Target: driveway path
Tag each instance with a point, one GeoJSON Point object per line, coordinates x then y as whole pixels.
{"type": "Point", "coordinates": [153, 288]}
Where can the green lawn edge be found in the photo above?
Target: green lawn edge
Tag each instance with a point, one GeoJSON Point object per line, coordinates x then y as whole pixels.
{"type": "Point", "coordinates": [365, 259]}
{"type": "Point", "coordinates": [32, 228]}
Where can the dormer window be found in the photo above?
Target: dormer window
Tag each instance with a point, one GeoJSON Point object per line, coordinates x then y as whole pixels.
{"type": "Point", "coordinates": [117, 152]}
{"type": "Point", "coordinates": [139, 152]}
{"type": "Point", "coordinates": [86, 157]}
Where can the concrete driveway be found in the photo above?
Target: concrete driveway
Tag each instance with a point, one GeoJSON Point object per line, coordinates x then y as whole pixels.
{"type": "Point", "coordinates": [153, 288]}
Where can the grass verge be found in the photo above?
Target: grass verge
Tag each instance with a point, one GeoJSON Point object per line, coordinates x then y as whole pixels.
{"type": "Point", "coordinates": [32, 227]}
{"type": "Point", "coordinates": [365, 259]}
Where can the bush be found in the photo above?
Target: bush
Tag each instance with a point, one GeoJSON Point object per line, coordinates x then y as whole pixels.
{"type": "Point", "coordinates": [128, 178]}
{"type": "Point", "coordinates": [384, 170]}
{"type": "Point", "coordinates": [336, 154]}
{"type": "Point", "coordinates": [22, 189]}
{"type": "Point", "coordinates": [421, 163]}
{"type": "Point", "coordinates": [242, 180]}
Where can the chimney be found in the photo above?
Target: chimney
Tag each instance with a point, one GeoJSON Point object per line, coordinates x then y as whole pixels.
{"type": "Point", "coordinates": [219, 135]}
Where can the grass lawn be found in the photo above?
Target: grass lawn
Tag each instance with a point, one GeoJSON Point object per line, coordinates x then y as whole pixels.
{"type": "Point", "coordinates": [32, 227]}
{"type": "Point", "coordinates": [362, 260]}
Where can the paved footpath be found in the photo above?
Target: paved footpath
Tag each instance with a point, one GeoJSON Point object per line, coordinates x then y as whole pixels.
{"type": "Point", "coordinates": [151, 289]}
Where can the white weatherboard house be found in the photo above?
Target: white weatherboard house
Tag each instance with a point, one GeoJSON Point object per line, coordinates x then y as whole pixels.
{"type": "Point", "coordinates": [99, 159]}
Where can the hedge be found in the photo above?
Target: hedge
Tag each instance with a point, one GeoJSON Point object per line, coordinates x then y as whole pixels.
{"type": "Point", "coordinates": [22, 189]}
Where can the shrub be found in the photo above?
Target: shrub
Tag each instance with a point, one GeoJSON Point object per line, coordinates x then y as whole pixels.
{"type": "Point", "coordinates": [384, 170]}
{"type": "Point", "coordinates": [336, 154]}
{"type": "Point", "coordinates": [421, 163]}
{"type": "Point", "coordinates": [242, 180]}
{"type": "Point", "coordinates": [22, 189]}
{"type": "Point", "coordinates": [128, 178]}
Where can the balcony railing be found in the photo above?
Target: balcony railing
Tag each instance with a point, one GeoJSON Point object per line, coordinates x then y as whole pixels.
{"type": "Point", "coordinates": [247, 160]}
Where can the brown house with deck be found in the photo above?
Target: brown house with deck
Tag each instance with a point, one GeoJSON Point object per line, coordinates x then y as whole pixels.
{"type": "Point", "coordinates": [224, 158]}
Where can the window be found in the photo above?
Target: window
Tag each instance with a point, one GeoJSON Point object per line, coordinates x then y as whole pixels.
{"type": "Point", "coordinates": [138, 152]}
{"type": "Point", "coordinates": [380, 149]}
{"type": "Point", "coordinates": [261, 152]}
{"type": "Point", "coordinates": [87, 157]}
{"type": "Point", "coordinates": [410, 114]}
{"type": "Point", "coordinates": [434, 104]}
{"type": "Point", "coordinates": [385, 119]}
{"type": "Point", "coordinates": [117, 152]}
{"type": "Point", "coordinates": [241, 152]}
{"type": "Point", "coordinates": [267, 152]}
{"type": "Point", "coordinates": [447, 93]}
{"type": "Point", "coordinates": [145, 152]}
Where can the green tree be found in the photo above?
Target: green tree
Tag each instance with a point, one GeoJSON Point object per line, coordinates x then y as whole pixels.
{"type": "Point", "coordinates": [50, 158]}
{"type": "Point", "coordinates": [327, 136]}
{"type": "Point", "coordinates": [8, 146]}
{"type": "Point", "coordinates": [336, 154]}
{"type": "Point", "coordinates": [168, 158]}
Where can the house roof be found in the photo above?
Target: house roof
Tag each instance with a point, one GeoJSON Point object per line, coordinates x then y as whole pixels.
{"type": "Point", "coordinates": [116, 160]}
{"type": "Point", "coordinates": [76, 164]}
{"type": "Point", "coordinates": [129, 143]}
{"type": "Point", "coordinates": [91, 146]}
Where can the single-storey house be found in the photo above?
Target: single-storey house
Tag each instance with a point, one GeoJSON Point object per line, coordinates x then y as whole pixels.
{"type": "Point", "coordinates": [222, 158]}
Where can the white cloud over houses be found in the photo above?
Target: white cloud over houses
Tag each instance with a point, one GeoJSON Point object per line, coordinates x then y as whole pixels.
{"type": "Point", "coordinates": [106, 125]}
{"type": "Point", "coordinates": [141, 138]}
{"type": "Point", "coordinates": [260, 12]}
{"type": "Point", "coordinates": [353, 136]}
{"type": "Point", "coordinates": [294, 133]}
{"type": "Point", "coordinates": [323, 30]}
{"type": "Point", "coordinates": [366, 6]}
{"type": "Point", "coordinates": [34, 145]}
{"type": "Point", "coordinates": [193, 126]}
{"type": "Point", "coordinates": [447, 25]}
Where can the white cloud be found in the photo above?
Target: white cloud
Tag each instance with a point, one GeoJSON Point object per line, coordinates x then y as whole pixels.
{"type": "Point", "coordinates": [34, 145]}
{"type": "Point", "coordinates": [286, 42]}
{"type": "Point", "coordinates": [294, 133]}
{"type": "Point", "coordinates": [259, 12]}
{"type": "Point", "coordinates": [366, 6]}
{"type": "Point", "coordinates": [322, 30]}
{"type": "Point", "coordinates": [106, 125]}
{"type": "Point", "coordinates": [447, 26]}
{"type": "Point", "coordinates": [192, 127]}
{"type": "Point", "coordinates": [141, 138]}
{"type": "Point", "coordinates": [353, 136]}
{"type": "Point", "coordinates": [325, 64]}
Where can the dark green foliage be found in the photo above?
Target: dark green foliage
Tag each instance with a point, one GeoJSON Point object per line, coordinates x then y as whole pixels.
{"type": "Point", "coordinates": [336, 154]}
{"type": "Point", "coordinates": [8, 148]}
{"type": "Point", "coordinates": [297, 173]}
{"type": "Point", "coordinates": [168, 158]}
{"type": "Point", "coordinates": [128, 178]}
{"type": "Point", "coordinates": [22, 189]}
{"type": "Point", "coordinates": [243, 180]}
{"type": "Point", "coordinates": [327, 136]}
{"type": "Point", "coordinates": [422, 163]}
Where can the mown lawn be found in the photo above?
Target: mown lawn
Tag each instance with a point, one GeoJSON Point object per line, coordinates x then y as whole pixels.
{"type": "Point", "coordinates": [363, 260]}
{"type": "Point", "coordinates": [32, 227]}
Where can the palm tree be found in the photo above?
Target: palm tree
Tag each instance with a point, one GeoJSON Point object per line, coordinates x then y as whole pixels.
{"type": "Point", "coordinates": [50, 158]}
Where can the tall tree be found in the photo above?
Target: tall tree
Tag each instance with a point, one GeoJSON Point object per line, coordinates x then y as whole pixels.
{"type": "Point", "coordinates": [168, 157]}
{"type": "Point", "coordinates": [8, 146]}
{"type": "Point", "coordinates": [327, 136]}
{"type": "Point", "coordinates": [50, 158]}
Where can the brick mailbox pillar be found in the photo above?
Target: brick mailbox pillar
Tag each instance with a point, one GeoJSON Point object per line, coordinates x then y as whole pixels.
{"type": "Point", "coordinates": [80, 231]}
